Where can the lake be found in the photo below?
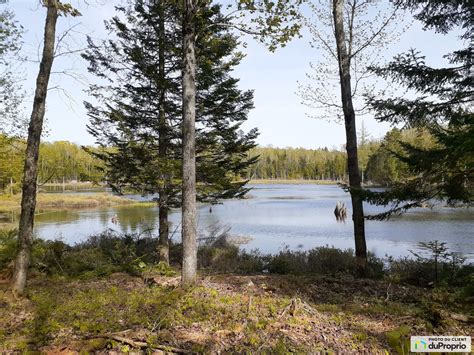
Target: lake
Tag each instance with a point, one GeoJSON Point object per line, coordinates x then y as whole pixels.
{"type": "Point", "coordinates": [274, 216]}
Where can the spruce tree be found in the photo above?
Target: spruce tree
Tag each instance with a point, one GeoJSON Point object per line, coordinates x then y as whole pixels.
{"type": "Point", "coordinates": [137, 115]}
{"type": "Point", "coordinates": [443, 104]}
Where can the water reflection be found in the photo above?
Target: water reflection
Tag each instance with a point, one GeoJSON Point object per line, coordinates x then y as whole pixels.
{"type": "Point", "coordinates": [274, 217]}
{"type": "Point", "coordinates": [340, 212]}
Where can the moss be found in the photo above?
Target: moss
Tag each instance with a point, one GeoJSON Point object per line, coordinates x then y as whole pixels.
{"type": "Point", "coordinates": [215, 316]}
{"type": "Point", "coordinates": [360, 337]}
{"type": "Point", "coordinates": [399, 339]}
{"type": "Point", "coordinates": [329, 308]}
{"type": "Point", "coordinates": [91, 345]}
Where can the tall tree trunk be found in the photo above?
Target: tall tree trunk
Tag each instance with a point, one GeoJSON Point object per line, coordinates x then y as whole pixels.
{"type": "Point", "coordinates": [189, 228]}
{"type": "Point", "coordinates": [163, 144]}
{"type": "Point", "coordinates": [30, 174]}
{"type": "Point", "coordinates": [351, 136]}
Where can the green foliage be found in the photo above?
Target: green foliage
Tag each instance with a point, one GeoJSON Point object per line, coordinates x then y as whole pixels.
{"type": "Point", "coordinates": [140, 115]}
{"type": "Point", "coordinates": [273, 23]}
{"type": "Point", "coordinates": [217, 254]}
{"type": "Point", "coordinates": [11, 164]}
{"type": "Point", "coordinates": [65, 161]}
{"type": "Point", "coordinates": [7, 247]}
{"type": "Point", "coordinates": [442, 104]}
{"type": "Point", "coordinates": [59, 162]}
{"type": "Point", "coordinates": [11, 118]}
{"type": "Point", "coordinates": [298, 163]}
{"type": "Point", "coordinates": [162, 269]}
{"type": "Point", "coordinates": [321, 261]}
{"type": "Point", "coordinates": [108, 252]}
{"type": "Point", "coordinates": [65, 9]}
{"type": "Point", "coordinates": [434, 264]}
{"type": "Point", "coordinates": [399, 339]}
{"type": "Point", "coordinates": [100, 255]}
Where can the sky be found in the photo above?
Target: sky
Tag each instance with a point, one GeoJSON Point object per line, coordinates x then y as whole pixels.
{"type": "Point", "coordinates": [279, 114]}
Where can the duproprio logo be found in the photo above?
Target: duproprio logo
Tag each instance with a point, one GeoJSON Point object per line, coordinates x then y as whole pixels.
{"type": "Point", "coordinates": [444, 344]}
{"type": "Point", "coordinates": [420, 345]}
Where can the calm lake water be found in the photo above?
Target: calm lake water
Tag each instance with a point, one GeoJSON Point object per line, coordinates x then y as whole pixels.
{"type": "Point", "coordinates": [298, 216]}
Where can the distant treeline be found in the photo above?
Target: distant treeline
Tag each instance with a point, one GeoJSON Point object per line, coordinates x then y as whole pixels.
{"type": "Point", "coordinates": [299, 163]}
{"type": "Point", "coordinates": [64, 161]}
{"type": "Point", "coordinates": [59, 162]}
{"type": "Point", "coordinates": [379, 160]}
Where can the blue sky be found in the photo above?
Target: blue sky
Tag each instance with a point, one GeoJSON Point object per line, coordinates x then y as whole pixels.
{"type": "Point", "coordinates": [279, 115]}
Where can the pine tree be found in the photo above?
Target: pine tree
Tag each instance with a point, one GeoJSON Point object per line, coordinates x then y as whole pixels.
{"type": "Point", "coordinates": [443, 104]}
{"type": "Point", "coordinates": [138, 116]}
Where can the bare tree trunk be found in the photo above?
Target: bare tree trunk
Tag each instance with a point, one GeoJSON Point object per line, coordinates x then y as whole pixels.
{"type": "Point", "coordinates": [351, 136]}
{"type": "Point", "coordinates": [163, 248]}
{"type": "Point", "coordinates": [30, 174]}
{"type": "Point", "coordinates": [189, 228]}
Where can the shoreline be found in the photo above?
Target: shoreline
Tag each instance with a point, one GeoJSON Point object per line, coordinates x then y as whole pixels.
{"type": "Point", "coordinates": [293, 182]}
{"type": "Point", "coordinates": [59, 201]}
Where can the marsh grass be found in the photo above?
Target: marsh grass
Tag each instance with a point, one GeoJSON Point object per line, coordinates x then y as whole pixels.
{"type": "Point", "coordinates": [58, 201]}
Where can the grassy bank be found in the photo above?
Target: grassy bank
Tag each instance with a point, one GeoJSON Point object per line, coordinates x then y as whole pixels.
{"type": "Point", "coordinates": [47, 201]}
{"type": "Point", "coordinates": [292, 182]}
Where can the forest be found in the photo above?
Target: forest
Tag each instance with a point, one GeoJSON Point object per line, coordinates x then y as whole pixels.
{"type": "Point", "coordinates": [66, 162]}
{"type": "Point", "coordinates": [178, 231]}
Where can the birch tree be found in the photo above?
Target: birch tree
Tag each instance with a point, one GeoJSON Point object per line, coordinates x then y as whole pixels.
{"type": "Point", "coordinates": [30, 171]}
{"type": "Point", "coordinates": [352, 35]}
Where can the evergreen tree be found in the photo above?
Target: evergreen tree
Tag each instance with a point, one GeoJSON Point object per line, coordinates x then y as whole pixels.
{"type": "Point", "coordinates": [443, 105]}
{"type": "Point", "coordinates": [138, 114]}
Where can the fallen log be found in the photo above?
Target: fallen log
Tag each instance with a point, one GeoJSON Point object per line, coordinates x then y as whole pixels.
{"type": "Point", "coordinates": [139, 344]}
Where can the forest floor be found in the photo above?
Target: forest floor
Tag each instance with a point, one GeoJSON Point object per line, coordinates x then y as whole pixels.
{"type": "Point", "coordinates": [225, 313]}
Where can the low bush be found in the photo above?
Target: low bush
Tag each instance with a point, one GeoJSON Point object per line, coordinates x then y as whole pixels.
{"type": "Point", "coordinates": [7, 247]}
{"type": "Point", "coordinates": [108, 252]}
{"type": "Point", "coordinates": [288, 262]}
{"type": "Point", "coordinates": [433, 265]}
{"type": "Point", "coordinates": [327, 260]}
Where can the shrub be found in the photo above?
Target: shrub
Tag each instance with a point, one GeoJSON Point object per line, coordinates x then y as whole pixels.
{"type": "Point", "coordinates": [218, 255]}
{"type": "Point", "coordinates": [7, 247]}
{"type": "Point", "coordinates": [376, 266]}
{"type": "Point", "coordinates": [288, 262]}
{"type": "Point", "coordinates": [252, 262]}
{"type": "Point", "coordinates": [434, 265]}
{"type": "Point", "coordinates": [110, 252]}
{"type": "Point", "coordinates": [329, 260]}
